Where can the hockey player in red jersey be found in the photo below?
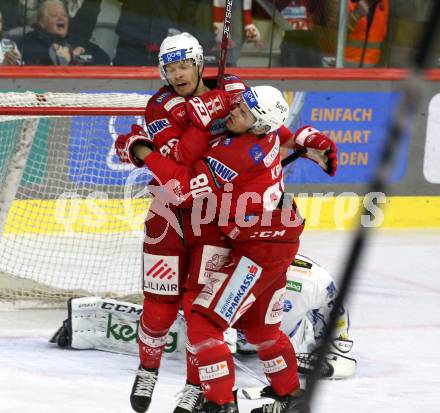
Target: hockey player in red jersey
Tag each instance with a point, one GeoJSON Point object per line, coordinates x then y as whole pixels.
{"type": "Point", "coordinates": [181, 64]}
{"type": "Point", "coordinates": [264, 234]}
{"type": "Point", "coordinates": [165, 250]}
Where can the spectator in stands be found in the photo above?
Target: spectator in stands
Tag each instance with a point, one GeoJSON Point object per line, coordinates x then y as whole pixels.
{"type": "Point", "coordinates": [243, 28]}
{"type": "Point", "coordinates": [366, 32]}
{"type": "Point", "coordinates": [367, 28]}
{"type": "Point", "coordinates": [9, 54]}
{"type": "Point", "coordinates": [300, 46]}
{"type": "Point", "coordinates": [95, 20]}
{"type": "Point", "coordinates": [302, 36]}
{"type": "Point", "coordinates": [144, 24]}
{"type": "Point", "coordinates": [83, 15]}
{"type": "Point", "coordinates": [19, 16]}
{"type": "Point", "coordinates": [51, 43]}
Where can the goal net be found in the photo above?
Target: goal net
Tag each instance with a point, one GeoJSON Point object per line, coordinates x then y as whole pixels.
{"type": "Point", "coordinates": [70, 213]}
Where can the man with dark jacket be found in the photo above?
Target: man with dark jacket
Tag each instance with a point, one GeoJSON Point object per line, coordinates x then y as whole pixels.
{"type": "Point", "coordinates": [51, 44]}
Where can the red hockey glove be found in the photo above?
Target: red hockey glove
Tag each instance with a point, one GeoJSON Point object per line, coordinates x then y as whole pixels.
{"type": "Point", "coordinates": [204, 109]}
{"type": "Point", "coordinates": [124, 145]}
{"type": "Point", "coordinates": [320, 148]}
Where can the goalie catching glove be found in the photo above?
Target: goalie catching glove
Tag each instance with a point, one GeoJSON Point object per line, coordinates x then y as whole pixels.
{"type": "Point", "coordinates": [337, 363]}
{"type": "Point", "coordinates": [124, 145]}
{"type": "Point", "coordinates": [320, 148]}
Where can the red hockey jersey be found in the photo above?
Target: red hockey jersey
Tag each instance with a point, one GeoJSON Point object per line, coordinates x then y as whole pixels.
{"type": "Point", "coordinates": [244, 172]}
{"type": "Point", "coordinates": [167, 120]}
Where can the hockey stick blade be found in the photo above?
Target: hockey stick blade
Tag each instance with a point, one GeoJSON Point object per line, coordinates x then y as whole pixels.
{"type": "Point", "coordinates": [252, 393]}
{"type": "Point", "coordinates": [249, 371]}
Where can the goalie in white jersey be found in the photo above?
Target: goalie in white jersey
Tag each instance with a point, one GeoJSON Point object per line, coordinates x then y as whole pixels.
{"type": "Point", "coordinates": [310, 295]}
{"type": "Point", "coordinates": [111, 325]}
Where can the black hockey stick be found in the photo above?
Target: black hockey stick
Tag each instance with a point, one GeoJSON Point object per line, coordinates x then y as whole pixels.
{"type": "Point", "coordinates": [410, 99]}
{"type": "Point", "coordinates": [224, 44]}
{"type": "Point", "coordinates": [293, 157]}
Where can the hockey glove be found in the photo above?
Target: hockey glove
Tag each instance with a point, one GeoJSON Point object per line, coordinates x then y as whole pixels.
{"type": "Point", "coordinates": [125, 144]}
{"type": "Point", "coordinates": [320, 148]}
{"type": "Point", "coordinates": [204, 109]}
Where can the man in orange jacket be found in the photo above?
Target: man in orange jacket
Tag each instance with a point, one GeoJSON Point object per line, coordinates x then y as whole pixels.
{"type": "Point", "coordinates": [367, 29]}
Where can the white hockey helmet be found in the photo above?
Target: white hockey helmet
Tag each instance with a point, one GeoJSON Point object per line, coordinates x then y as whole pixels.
{"type": "Point", "coordinates": [178, 47]}
{"type": "Point", "coordinates": [268, 105]}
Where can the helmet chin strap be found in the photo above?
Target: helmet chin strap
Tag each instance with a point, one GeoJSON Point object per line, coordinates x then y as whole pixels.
{"type": "Point", "coordinates": [199, 78]}
{"type": "Point", "coordinates": [258, 132]}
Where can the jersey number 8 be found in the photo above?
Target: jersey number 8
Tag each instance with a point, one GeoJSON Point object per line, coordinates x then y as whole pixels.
{"type": "Point", "coordinates": [199, 185]}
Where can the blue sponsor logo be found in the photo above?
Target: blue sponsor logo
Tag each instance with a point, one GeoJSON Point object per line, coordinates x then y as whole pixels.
{"type": "Point", "coordinates": [157, 126]}
{"type": "Point", "coordinates": [257, 153]}
{"type": "Point", "coordinates": [174, 56]}
{"type": "Point", "coordinates": [250, 98]}
{"type": "Point", "coordinates": [317, 316]}
{"type": "Point", "coordinates": [231, 77]}
{"type": "Point", "coordinates": [163, 96]}
{"type": "Point", "coordinates": [331, 290]}
{"type": "Point", "coordinates": [287, 306]}
{"type": "Point", "coordinates": [244, 278]}
{"type": "Point", "coordinates": [226, 141]}
{"type": "Point", "coordinates": [221, 170]}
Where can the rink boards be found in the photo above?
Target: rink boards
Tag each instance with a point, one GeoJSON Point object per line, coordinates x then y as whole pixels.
{"type": "Point", "coordinates": [113, 216]}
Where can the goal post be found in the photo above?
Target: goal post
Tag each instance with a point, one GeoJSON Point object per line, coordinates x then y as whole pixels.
{"type": "Point", "coordinates": [70, 213]}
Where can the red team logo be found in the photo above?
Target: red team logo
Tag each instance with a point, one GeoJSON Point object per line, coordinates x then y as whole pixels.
{"type": "Point", "coordinates": [161, 270]}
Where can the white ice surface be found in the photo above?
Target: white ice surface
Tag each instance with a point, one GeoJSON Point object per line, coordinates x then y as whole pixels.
{"type": "Point", "coordinates": [395, 325]}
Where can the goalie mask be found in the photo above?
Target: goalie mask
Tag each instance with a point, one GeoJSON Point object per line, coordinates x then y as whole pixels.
{"type": "Point", "coordinates": [268, 105]}
{"type": "Point", "coordinates": [179, 47]}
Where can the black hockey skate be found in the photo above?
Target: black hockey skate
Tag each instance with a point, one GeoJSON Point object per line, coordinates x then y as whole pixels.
{"type": "Point", "coordinates": [143, 386]}
{"type": "Point", "coordinates": [211, 407]}
{"type": "Point", "coordinates": [191, 399]}
{"type": "Point", "coordinates": [285, 404]}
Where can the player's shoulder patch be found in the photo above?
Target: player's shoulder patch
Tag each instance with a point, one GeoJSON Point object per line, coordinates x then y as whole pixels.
{"type": "Point", "coordinates": [302, 264]}
{"type": "Point", "coordinates": [177, 100]}
{"type": "Point", "coordinates": [233, 87]}
{"type": "Point", "coordinates": [257, 153]}
{"type": "Point", "coordinates": [233, 83]}
{"type": "Point", "coordinates": [163, 96]}
{"type": "Point", "coordinates": [231, 77]}
{"type": "Point", "coordinates": [220, 170]}
{"type": "Point", "coordinates": [157, 126]}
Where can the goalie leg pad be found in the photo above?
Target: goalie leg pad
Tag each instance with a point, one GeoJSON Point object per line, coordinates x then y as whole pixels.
{"type": "Point", "coordinates": [110, 325]}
